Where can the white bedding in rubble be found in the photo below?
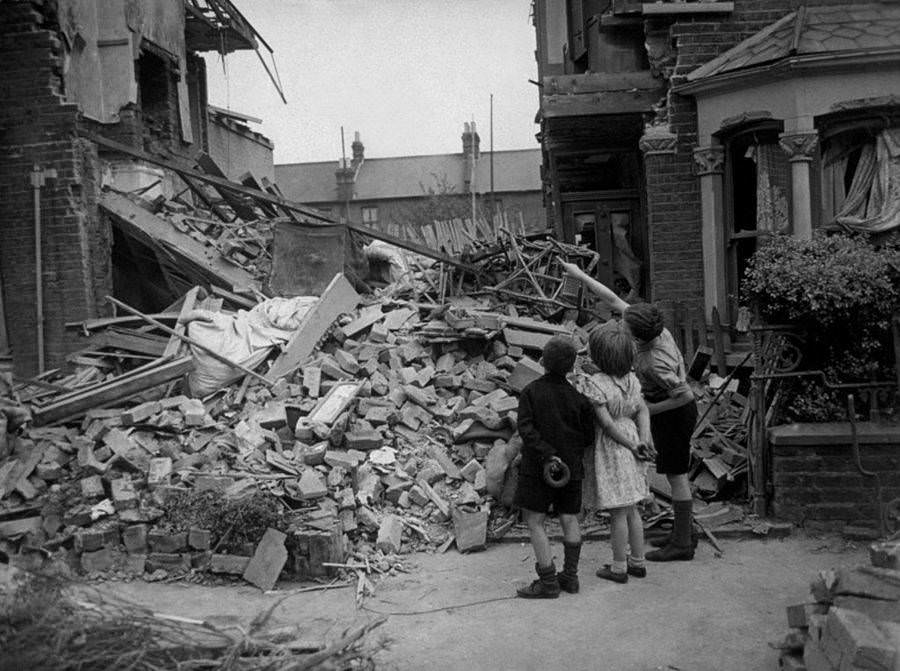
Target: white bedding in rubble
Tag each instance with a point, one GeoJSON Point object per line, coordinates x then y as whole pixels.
{"type": "Point", "coordinates": [245, 337]}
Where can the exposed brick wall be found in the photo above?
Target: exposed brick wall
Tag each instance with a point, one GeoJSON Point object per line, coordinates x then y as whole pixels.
{"type": "Point", "coordinates": [673, 195]}
{"type": "Point", "coordinates": [38, 128]}
{"type": "Point", "coordinates": [673, 219]}
{"type": "Point", "coordinates": [820, 487]}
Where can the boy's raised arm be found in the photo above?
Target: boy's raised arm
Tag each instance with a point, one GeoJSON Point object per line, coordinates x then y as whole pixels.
{"type": "Point", "coordinates": [602, 291]}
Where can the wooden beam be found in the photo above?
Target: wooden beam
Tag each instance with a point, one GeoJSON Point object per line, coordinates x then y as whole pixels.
{"type": "Point", "coordinates": [104, 322]}
{"type": "Point", "coordinates": [174, 344]}
{"type": "Point", "coordinates": [77, 403]}
{"type": "Point", "coordinates": [190, 341]}
{"type": "Point", "coordinates": [315, 215]}
{"type": "Point", "coordinates": [413, 247]}
{"type": "Point", "coordinates": [339, 297]}
{"type": "Point", "coordinates": [147, 227]}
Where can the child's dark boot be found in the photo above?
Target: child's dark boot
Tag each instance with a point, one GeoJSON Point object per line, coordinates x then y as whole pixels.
{"type": "Point", "coordinates": [545, 587]}
{"type": "Point", "coordinates": [568, 577]}
{"type": "Point", "coordinates": [680, 548]}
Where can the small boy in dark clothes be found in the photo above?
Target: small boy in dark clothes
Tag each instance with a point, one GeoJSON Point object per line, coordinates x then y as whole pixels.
{"type": "Point", "coordinates": [555, 420]}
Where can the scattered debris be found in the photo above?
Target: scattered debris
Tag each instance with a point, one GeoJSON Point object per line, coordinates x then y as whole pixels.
{"type": "Point", "coordinates": [853, 620]}
{"type": "Point", "coordinates": [345, 425]}
{"type": "Point", "coordinates": [46, 624]}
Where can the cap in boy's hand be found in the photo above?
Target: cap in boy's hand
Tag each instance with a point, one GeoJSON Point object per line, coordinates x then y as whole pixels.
{"type": "Point", "coordinates": [556, 473]}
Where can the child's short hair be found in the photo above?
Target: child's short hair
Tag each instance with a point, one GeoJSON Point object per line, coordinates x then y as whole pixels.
{"type": "Point", "coordinates": [644, 321]}
{"type": "Point", "coordinates": [612, 348]}
{"type": "Point", "coordinates": [559, 355]}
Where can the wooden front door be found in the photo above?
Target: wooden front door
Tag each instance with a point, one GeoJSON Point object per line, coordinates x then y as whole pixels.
{"type": "Point", "coordinates": [612, 228]}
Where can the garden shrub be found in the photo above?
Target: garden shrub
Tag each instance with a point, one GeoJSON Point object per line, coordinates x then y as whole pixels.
{"type": "Point", "coordinates": [841, 291]}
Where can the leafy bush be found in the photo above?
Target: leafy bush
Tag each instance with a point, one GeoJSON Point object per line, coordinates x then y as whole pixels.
{"type": "Point", "coordinates": [842, 292]}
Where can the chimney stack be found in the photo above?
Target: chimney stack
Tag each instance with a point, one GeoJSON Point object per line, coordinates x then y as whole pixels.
{"type": "Point", "coordinates": [358, 151]}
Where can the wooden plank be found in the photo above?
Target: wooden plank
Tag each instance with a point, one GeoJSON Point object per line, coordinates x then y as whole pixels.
{"type": "Point", "coordinates": [339, 297]}
{"type": "Point", "coordinates": [535, 325]}
{"type": "Point", "coordinates": [313, 214]}
{"type": "Point", "coordinates": [156, 231]}
{"type": "Point", "coordinates": [174, 344]}
{"type": "Point", "coordinates": [104, 322]}
{"type": "Point", "coordinates": [116, 390]}
{"type": "Point", "coordinates": [191, 341]}
{"type": "Point", "coordinates": [236, 201]}
{"type": "Point", "coordinates": [234, 298]}
{"type": "Point", "coordinates": [365, 320]}
{"type": "Point", "coordinates": [142, 343]}
{"type": "Point", "coordinates": [718, 343]}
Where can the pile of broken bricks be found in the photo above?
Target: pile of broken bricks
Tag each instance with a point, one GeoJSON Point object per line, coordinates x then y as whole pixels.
{"type": "Point", "coordinates": [374, 446]}
{"type": "Point", "coordinates": [853, 619]}
{"type": "Point", "coordinates": [375, 430]}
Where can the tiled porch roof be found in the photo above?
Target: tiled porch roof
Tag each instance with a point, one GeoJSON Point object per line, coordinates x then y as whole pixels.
{"type": "Point", "coordinates": [810, 31]}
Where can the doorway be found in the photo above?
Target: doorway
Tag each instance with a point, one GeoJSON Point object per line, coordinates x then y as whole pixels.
{"type": "Point", "coordinates": [612, 228]}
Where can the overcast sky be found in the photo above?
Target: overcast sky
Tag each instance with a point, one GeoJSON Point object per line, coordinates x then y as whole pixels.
{"type": "Point", "coordinates": [405, 73]}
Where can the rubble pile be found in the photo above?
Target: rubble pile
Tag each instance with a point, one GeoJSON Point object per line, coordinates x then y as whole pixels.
{"type": "Point", "coordinates": [853, 620]}
{"type": "Point", "coordinates": [377, 445]}
{"type": "Point", "coordinates": [381, 425]}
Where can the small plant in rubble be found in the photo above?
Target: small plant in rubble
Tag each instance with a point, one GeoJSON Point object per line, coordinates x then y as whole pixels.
{"type": "Point", "coordinates": [232, 522]}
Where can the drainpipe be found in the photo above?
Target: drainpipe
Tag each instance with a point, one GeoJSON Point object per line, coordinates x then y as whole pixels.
{"type": "Point", "coordinates": [39, 179]}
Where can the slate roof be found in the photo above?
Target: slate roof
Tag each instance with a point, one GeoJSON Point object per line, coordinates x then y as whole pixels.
{"type": "Point", "coordinates": [405, 176]}
{"type": "Point", "coordinates": [812, 31]}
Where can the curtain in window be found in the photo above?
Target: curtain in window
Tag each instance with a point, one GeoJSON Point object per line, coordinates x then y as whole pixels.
{"type": "Point", "coordinates": [873, 202]}
{"type": "Point", "coordinates": [771, 188]}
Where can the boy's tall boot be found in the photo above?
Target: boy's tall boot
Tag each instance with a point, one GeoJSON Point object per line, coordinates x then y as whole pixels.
{"type": "Point", "coordinates": [568, 577]}
{"type": "Point", "coordinates": [545, 587]}
{"type": "Point", "coordinates": [680, 548]}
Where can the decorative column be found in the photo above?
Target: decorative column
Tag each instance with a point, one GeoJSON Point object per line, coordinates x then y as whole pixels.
{"type": "Point", "coordinates": [710, 162]}
{"type": "Point", "coordinates": [800, 147]}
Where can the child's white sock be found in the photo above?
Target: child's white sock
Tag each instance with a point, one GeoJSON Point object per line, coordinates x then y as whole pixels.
{"type": "Point", "coordinates": [619, 566]}
{"type": "Point", "coordinates": [635, 561]}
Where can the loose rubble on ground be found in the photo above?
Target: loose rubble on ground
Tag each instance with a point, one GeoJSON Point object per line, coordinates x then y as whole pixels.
{"type": "Point", "coordinates": [852, 620]}
{"type": "Point", "coordinates": [315, 437]}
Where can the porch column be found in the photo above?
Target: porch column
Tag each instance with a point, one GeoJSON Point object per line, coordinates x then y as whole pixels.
{"type": "Point", "coordinates": [709, 162]}
{"type": "Point", "coordinates": [800, 147]}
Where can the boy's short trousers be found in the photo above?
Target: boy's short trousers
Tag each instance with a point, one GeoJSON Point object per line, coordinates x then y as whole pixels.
{"type": "Point", "coordinates": [532, 493]}
{"type": "Point", "coordinates": [672, 431]}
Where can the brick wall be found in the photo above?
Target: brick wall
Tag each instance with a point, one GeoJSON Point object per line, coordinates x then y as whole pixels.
{"type": "Point", "coordinates": [672, 189]}
{"type": "Point", "coordinates": [38, 128]}
{"type": "Point", "coordinates": [815, 479]}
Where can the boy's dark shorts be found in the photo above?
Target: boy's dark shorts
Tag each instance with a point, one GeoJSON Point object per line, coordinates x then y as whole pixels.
{"type": "Point", "coordinates": [672, 431]}
{"type": "Point", "coordinates": [532, 493]}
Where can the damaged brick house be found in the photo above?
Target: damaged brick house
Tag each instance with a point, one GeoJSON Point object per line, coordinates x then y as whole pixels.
{"type": "Point", "coordinates": [75, 71]}
{"type": "Point", "coordinates": [689, 129]}
{"type": "Point", "coordinates": [684, 132]}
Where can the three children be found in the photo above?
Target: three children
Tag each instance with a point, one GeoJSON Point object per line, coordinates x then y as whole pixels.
{"type": "Point", "coordinates": [635, 412]}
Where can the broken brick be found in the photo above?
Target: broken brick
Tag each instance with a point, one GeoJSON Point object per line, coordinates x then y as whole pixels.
{"type": "Point", "coordinates": [134, 538]}
{"type": "Point", "coordinates": [390, 534]}
{"type": "Point", "coordinates": [228, 563]}
{"type": "Point", "coordinates": [268, 560]}
{"type": "Point", "coordinates": [363, 441]}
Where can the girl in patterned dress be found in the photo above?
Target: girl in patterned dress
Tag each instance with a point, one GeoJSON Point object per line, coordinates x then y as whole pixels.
{"type": "Point", "coordinates": [623, 442]}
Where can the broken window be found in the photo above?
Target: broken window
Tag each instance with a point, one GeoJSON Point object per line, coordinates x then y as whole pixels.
{"type": "Point", "coordinates": [860, 174]}
{"type": "Point", "coordinates": [370, 215]}
{"type": "Point", "coordinates": [758, 196]}
{"type": "Point", "coordinates": [157, 99]}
